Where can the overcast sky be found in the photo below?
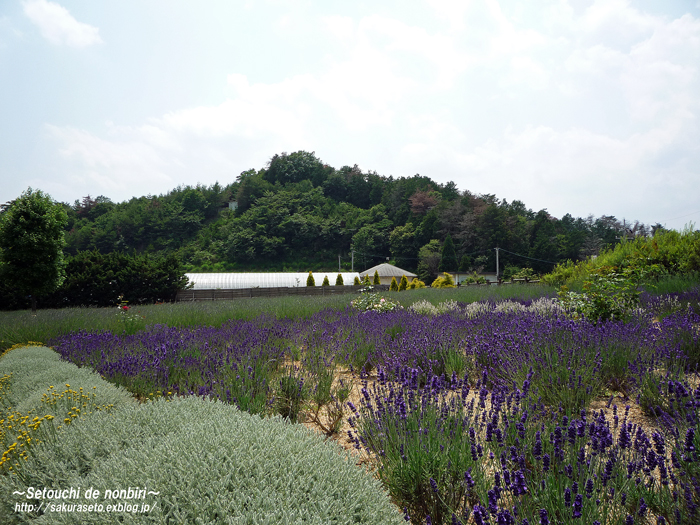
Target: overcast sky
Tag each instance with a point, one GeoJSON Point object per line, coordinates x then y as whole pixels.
{"type": "Point", "coordinates": [578, 106]}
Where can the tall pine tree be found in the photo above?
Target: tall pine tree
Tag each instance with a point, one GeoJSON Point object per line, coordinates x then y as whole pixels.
{"type": "Point", "coordinates": [448, 256]}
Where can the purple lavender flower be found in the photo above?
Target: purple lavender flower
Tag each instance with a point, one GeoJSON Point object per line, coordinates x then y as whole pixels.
{"type": "Point", "coordinates": [544, 518]}
{"type": "Point", "coordinates": [642, 507]}
{"type": "Point", "coordinates": [545, 462]}
{"type": "Point", "coordinates": [519, 485]}
{"type": "Point", "coordinates": [689, 445]}
{"type": "Point", "coordinates": [578, 505]}
{"type": "Point", "coordinates": [468, 478]}
{"type": "Point", "coordinates": [567, 497]}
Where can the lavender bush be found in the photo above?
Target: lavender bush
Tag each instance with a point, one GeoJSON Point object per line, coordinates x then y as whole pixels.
{"type": "Point", "coordinates": [481, 410]}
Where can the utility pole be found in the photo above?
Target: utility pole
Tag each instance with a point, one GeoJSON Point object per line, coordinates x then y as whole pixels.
{"type": "Point", "coordinates": [338, 263]}
{"type": "Point", "coordinates": [353, 262]}
{"type": "Point", "coordinates": [496, 264]}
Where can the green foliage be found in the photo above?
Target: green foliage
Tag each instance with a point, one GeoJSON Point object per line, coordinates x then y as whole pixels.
{"type": "Point", "coordinates": [403, 285]}
{"type": "Point", "coordinates": [428, 261]}
{"type": "Point", "coordinates": [31, 244]}
{"type": "Point", "coordinates": [366, 281]}
{"type": "Point", "coordinates": [402, 242]}
{"type": "Point", "coordinates": [291, 394]}
{"type": "Point", "coordinates": [667, 253]}
{"type": "Point", "coordinates": [376, 278]}
{"type": "Point", "coordinates": [444, 281]}
{"type": "Point", "coordinates": [296, 167]}
{"type": "Point", "coordinates": [325, 282]}
{"type": "Point", "coordinates": [238, 465]}
{"type": "Point", "coordinates": [448, 256]}
{"type": "Point", "coordinates": [95, 279]}
{"type": "Point", "coordinates": [416, 283]}
{"type": "Point", "coordinates": [339, 280]}
{"type": "Point", "coordinates": [515, 272]}
{"type": "Point", "coordinates": [394, 286]}
{"type": "Point", "coordinates": [606, 296]}
{"type": "Point", "coordinates": [310, 281]}
{"type": "Point", "coordinates": [475, 279]}
{"type": "Point", "coordinates": [356, 282]}
{"type": "Point", "coordinates": [567, 273]}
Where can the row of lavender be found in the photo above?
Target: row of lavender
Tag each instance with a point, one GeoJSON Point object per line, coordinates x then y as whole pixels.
{"type": "Point", "coordinates": [519, 448]}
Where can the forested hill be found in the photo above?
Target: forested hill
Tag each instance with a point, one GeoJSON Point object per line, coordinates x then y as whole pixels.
{"type": "Point", "coordinates": [299, 214]}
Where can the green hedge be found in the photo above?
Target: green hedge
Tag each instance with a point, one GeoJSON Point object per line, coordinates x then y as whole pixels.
{"type": "Point", "coordinates": [210, 463]}
{"type": "Point", "coordinates": [96, 279]}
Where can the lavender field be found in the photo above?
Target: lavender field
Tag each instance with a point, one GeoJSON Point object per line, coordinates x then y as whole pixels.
{"type": "Point", "coordinates": [504, 412]}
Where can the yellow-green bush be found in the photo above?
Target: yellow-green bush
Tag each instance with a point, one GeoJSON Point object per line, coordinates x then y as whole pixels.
{"type": "Point", "coordinates": [444, 281]}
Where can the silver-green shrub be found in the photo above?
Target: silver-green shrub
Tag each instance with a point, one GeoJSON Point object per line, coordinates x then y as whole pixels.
{"type": "Point", "coordinates": [210, 463]}
{"type": "Point", "coordinates": [34, 369]}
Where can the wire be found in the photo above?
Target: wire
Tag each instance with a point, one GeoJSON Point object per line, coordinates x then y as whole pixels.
{"type": "Point", "coordinates": [526, 257]}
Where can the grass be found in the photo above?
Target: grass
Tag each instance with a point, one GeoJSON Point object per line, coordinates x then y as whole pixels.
{"type": "Point", "coordinates": [21, 326]}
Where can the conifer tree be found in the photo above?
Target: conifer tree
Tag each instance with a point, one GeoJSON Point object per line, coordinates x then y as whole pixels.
{"type": "Point", "coordinates": [448, 257]}
{"type": "Point", "coordinates": [376, 278]}
{"type": "Point", "coordinates": [310, 281]}
{"type": "Point", "coordinates": [394, 286]}
{"type": "Point", "coordinates": [403, 284]}
{"type": "Point", "coordinates": [339, 280]}
{"type": "Point", "coordinates": [325, 282]}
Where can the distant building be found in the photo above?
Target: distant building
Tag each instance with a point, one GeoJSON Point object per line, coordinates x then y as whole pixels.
{"type": "Point", "coordinates": [386, 272]}
{"type": "Point", "coordinates": [458, 277]}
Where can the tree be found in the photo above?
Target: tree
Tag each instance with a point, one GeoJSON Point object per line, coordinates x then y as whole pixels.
{"type": "Point", "coordinates": [31, 244]}
{"type": "Point", "coordinates": [428, 261]}
{"type": "Point", "coordinates": [376, 278]}
{"type": "Point", "coordinates": [356, 282]}
{"type": "Point", "coordinates": [339, 280]}
{"type": "Point", "coordinates": [448, 257]}
{"type": "Point", "coordinates": [326, 282]}
{"type": "Point", "coordinates": [402, 242]}
{"type": "Point", "coordinates": [394, 286]}
{"type": "Point", "coordinates": [310, 281]}
{"type": "Point", "coordinates": [403, 284]}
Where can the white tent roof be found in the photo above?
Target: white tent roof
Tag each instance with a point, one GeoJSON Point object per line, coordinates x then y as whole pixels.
{"type": "Point", "coordinates": [230, 281]}
{"type": "Point", "coordinates": [388, 270]}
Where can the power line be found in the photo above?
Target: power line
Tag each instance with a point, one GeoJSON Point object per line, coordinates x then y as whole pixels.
{"type": "Point", "coordinates": [526, 257]}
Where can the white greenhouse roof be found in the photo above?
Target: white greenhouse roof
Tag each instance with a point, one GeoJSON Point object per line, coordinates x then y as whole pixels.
{"type": "Point", "coordinates": [232, 281]}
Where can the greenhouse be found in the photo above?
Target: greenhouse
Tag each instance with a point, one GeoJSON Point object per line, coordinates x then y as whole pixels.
{"type": "Point", "coordinates": [233, 281]}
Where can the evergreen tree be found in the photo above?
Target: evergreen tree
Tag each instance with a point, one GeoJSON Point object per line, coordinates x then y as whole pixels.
{"type": "Point", "coordinates": [376, 278]}
{"type": "Point", "coordinates": [339, 280]}
{"type": "Point", "coordinates": [448, 257]}
{"type": "Point", "coordinates": [310, 281]}
{"type": "Point", "coordinates": [325, 282]}
{"type": "Point", "coordinates": [356, 282]}
{"type": "Point", "coordinates": [403, 284]}
{"type": "Point", "coordinates": [31, 244]}
{"type": "Point", "coordinates": [394, 286]}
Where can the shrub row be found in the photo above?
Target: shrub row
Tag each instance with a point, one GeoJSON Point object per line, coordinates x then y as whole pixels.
{"type": "Point", "coordinates": [207, 461]}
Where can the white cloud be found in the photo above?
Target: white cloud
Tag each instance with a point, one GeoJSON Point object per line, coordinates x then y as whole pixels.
{"type": "Point", "coordinates": [472, 103]}
{"type": "Point", "coordinates": [58, 26]}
